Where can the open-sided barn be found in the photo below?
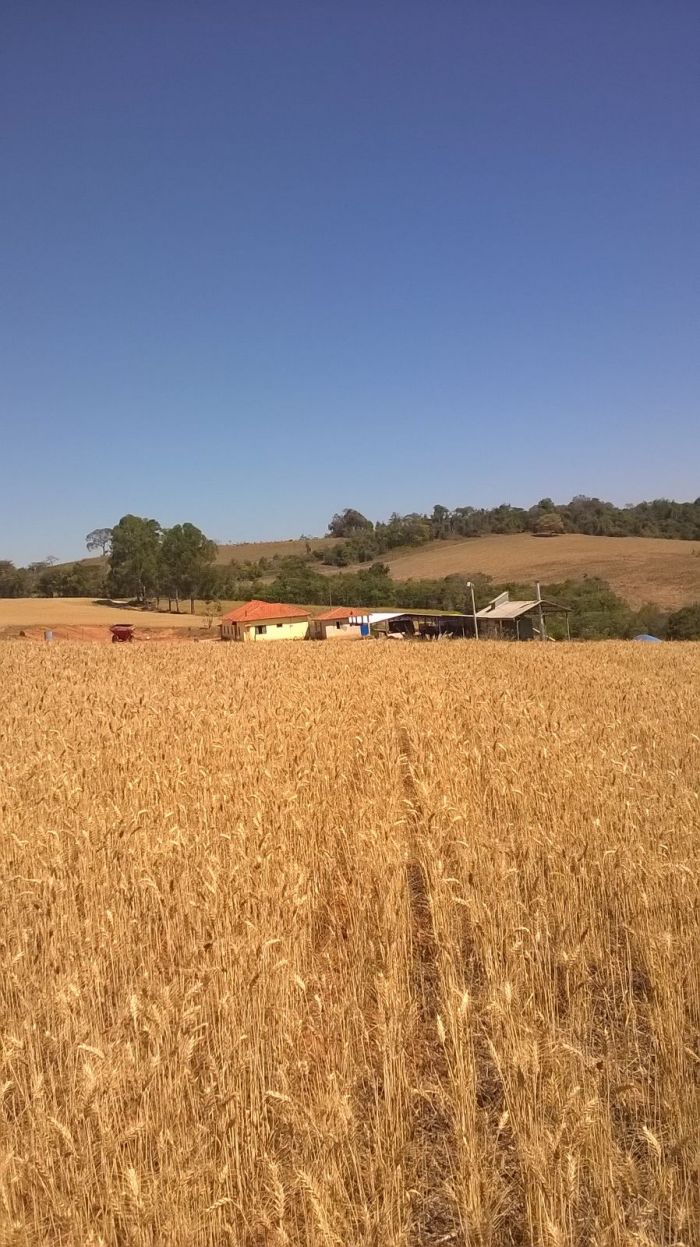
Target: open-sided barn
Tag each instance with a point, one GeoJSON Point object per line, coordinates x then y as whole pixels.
{"type": "Point", "coordinates": [518, 620]}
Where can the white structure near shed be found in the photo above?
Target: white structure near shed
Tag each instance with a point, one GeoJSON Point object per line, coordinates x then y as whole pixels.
{"type": "Point", "coordinates": [348, 622]}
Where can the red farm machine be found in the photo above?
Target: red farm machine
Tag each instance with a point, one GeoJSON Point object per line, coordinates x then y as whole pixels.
{"type": "Point", "coordinates": [122, 632]}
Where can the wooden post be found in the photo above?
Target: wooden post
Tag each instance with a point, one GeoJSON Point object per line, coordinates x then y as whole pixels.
{"type": "Point", "coordinates": [476, 625]}
{"type": "Point", "coordinates": [543, 634]}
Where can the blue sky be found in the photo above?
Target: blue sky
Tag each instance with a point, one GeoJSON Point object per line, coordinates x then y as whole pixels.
{"type": "Point", "coordinates": [264, 261]}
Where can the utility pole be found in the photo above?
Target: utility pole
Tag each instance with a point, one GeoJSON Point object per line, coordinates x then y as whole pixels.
{"type": "Point", "coordinates": [476, 624]}
{"type": "Point", "coordinates": [543, 634]}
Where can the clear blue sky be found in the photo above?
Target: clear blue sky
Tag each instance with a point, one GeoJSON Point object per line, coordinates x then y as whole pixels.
{"type": "Point", "coordinates": [261, 261]}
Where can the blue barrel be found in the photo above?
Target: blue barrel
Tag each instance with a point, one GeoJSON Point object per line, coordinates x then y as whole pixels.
{"type": "Point", "coordinates": [48, 634]}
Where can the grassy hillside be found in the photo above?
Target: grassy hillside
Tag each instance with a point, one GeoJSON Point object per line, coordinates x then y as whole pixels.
{"type": "Point", "coordinates": [251, 551]}
{"type": "Point", "coordinates": [640, 569]}
{"type": "Point", "coordinates": [245, 551]}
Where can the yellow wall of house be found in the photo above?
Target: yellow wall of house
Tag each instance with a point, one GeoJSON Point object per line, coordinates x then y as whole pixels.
{"type": "Point", "coordinates": [285, 630]}
{"type": "Point", "coordinates": [275, 630]}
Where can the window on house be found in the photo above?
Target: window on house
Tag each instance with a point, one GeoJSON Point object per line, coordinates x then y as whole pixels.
{"type": "Point", "coordinates": [260, 628]}
{"type": "Point", "coordinates": [279, 625]}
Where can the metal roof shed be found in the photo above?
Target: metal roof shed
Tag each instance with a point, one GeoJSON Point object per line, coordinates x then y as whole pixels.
{"type": "Point", "coordinates": [506, 617]}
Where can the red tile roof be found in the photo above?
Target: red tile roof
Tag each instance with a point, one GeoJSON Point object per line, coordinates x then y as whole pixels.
{"type": "Point", "coordinates": [339, 612]}
{"type": "Point", "coordinates": [255, 611]}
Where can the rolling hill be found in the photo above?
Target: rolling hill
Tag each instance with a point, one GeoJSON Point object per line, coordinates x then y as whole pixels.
{"type": "Point", "coordinates": [640, 569]}
{"type": "Point", "coordinates": [251, 551]}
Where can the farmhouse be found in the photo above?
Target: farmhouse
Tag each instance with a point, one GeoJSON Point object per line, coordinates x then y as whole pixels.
{"type": "Point", "coordinates": [265, 621]}
{"type": "Point", "coordinates": [341, 623]}
{"type": "Point", "coordinates": [519, 621]}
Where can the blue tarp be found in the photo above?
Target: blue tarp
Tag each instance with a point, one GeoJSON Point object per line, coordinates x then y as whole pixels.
{"type": "Point", "coordinates": [646, 636]}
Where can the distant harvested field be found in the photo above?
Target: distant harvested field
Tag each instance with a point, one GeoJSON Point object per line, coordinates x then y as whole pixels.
{"type": "Point", "coordinates": [640, 569]}
{"type": "Point", "coordinates": [251, 551]}
{"type": "Point", "coordinates": [364, 946]}
{"type": "Point", "coordinates": [55, 612]}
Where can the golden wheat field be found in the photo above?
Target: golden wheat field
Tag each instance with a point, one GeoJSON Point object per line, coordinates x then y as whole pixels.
{"type": "Point", "coordinates": [334, 945]}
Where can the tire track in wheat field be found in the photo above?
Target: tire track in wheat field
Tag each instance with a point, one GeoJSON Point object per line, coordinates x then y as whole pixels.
{"type": "Point", "coordinates": [435, 1217]}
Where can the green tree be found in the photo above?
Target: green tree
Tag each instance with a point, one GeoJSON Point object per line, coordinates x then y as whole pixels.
{"type": "Point", "coordinates": [468, 522]}
{"type": "Point", "coordinates": [48, 583]}
{"type": "Point", "coordinates": [348, 523]}
{"type": "Point", "coordinates": [76, 580]}
{"type": "Point", "coordinates": [684, 625]}
{"type": "Point", "coordinates": [13, 580]}
{"type": "Point", "coordinates": [507, 519]}
{"type": "Point", "coordinates": [185, 556]}
{"type": "Point", "coordinates": [597, 611]}
{"type": "Point", "coordinates": [550, 524]}
{"type": "Point", "coordinates": [649, 618]}
{"type": "Point", "coordinates": [134, 558]}
{"type": "Point", "coordinates": [338, 556]}
{"type": "Point", "coordinates": [99, 539]}
{"type": "Point", "coordinates": [403, 530]}
{"type": "Point", "coordinates": [440, 522]}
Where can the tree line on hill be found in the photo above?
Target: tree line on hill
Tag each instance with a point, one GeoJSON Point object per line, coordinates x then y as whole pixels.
{"type": "Point", "coordinates": [364, 540]}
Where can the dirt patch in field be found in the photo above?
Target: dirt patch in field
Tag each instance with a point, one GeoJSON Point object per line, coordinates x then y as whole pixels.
{"type": "Point", "coordinates": [71, 613]}
{"type": "Point", "coordinates": [101, 635]}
